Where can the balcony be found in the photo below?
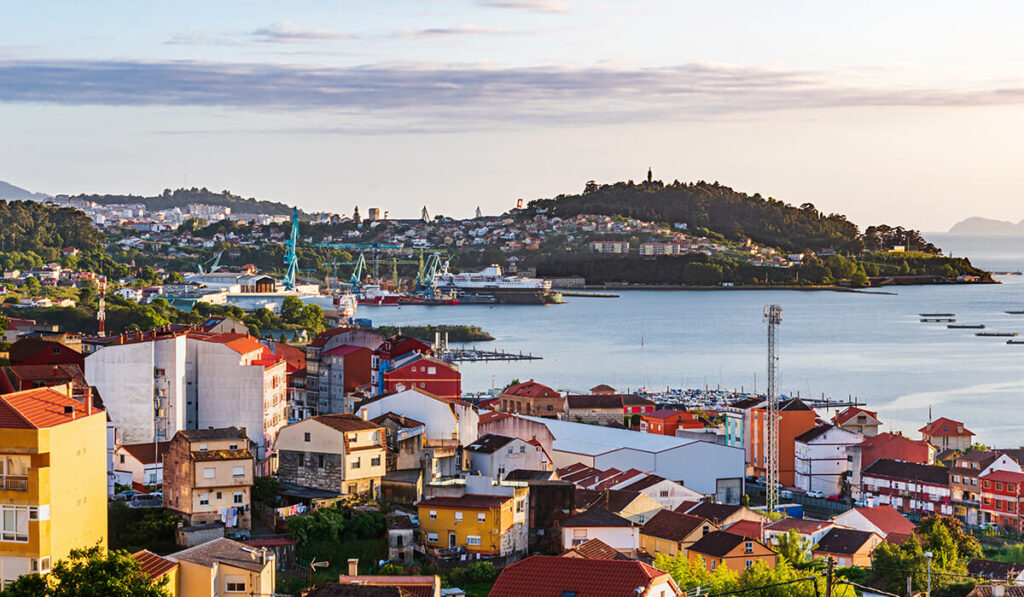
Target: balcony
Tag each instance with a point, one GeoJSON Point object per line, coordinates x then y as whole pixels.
{"type": "Point", "coordinates": [14, 483]}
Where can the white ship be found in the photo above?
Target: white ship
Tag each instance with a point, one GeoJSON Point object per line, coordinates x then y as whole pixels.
{"type": "Point", "coordinates": [489, 278]}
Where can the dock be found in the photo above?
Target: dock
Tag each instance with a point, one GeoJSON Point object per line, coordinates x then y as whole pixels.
{"type": "Point", "coordinates": [938, 319]}
{"type": "Point", "coordinates": [590, 294]}
{"type": "Point", "coordinates": [474, 355]}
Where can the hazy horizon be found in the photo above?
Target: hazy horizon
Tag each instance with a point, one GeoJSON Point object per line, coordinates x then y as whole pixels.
{"type": "Point", "coordinates": [903, 114]}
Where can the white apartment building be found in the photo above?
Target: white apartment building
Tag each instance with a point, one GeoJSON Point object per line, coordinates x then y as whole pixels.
{"type": "Point", "coordinates": [612, 247]}
{"type": "Point", "coordinates": [820, 458]}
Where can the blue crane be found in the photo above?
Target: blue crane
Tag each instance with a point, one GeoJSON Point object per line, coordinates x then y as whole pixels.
{"type": "Point", "coordinates": [291, 258]}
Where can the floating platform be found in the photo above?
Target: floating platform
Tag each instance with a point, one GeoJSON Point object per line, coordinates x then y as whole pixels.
{"type": "Point", "coordinates": [937, 314]}
{"type": "Point", "coordinates": [1016, 312]}
{"type": "Point", "coordinates": [471, 354]}
{"type": "Point", "coordinates": [937, 319]}
{"type": "Point", "coordinates": [966, 326]}
{"type": "Point", "coordinates": [997, 334]}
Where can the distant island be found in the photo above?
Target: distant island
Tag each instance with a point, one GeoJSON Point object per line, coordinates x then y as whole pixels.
{"type": "Point", "coordinates": [14, 193]}
{"type": "Point", "coordinates": [985, 226]}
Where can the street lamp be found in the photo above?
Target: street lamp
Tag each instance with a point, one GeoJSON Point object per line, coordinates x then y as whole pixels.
{"type": "Point", "coordinates": [313, 564]}
{"type": "Point", "coordinates": [929, 555]}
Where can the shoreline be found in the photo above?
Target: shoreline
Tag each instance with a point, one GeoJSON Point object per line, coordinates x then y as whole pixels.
{"type": "Point", "coordinates": [820, 288]}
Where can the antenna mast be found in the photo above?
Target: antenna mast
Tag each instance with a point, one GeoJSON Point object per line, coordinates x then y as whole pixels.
{"type": "Point", "coordinates": [773, 317]}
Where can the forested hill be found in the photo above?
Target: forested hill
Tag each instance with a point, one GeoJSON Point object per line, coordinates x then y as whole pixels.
{"type": "Point", "coordinates": [32, 226]}
{"type": "Point", "coordinates": [732, 214]}
{"type": "Point", "coordinates": [181, 197]}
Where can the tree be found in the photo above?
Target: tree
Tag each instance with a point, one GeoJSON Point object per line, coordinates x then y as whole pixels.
{"type": "Point", "coordinates": [264, 489]}
{"type": "Point", "coordinates": [355, 216]}
{"type": "Point", "coordinates": [859, 279]}
{"type": "Point", "coordinates": [291, 310]}
{"type": "Point", "coordinates": [90, 572]}
{"type": "Point", "coordinates": [32, 284]}
{"type": "Point", "coordinates": [173, 278]}
{"type": "Point", "coordinates": [795, 549]}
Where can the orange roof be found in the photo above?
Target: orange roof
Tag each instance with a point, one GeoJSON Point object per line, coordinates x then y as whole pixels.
{"type": "Point", "coordinates": [531, 389]}
{"type": "Point", "coordinates": [240, 343]}
{"type": "Point", "coordinates": [887, 519]}
{"type": "Point", "coordinates": [944, 427]}
{"type": "Point", "coordinates": [39, 408]}
{"type": "Point", "coordinates": [851, 412]}
{"type": "Point", "coordinates": [153, 565]}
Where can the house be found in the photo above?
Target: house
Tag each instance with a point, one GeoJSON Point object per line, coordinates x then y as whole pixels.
{"type": "Point", "coordinates": [668, 494]}
{"type": "Point", "coordinates": [442, 419]}
{"type": "Point", "coordinates": [631, 505]}
{"type": "Point", "coordinates": [157, 567]}
{"type": "Point", "coordinates": [144, 463]}
{"type": "Point", "coordinates": [550, 502]}
{"type": "Point", "coordinates": [53, 479]}
{"type": "Point", "coordinates": [67, 379]}
{"type": "Point", "coordinates": [722, 514]}
{"type": "Point", "coordinates": [477, 523]}
{"type": "Point", "coordinates": [325, 342]}
{"type": "Point", "coordinates": [1001, 499]}
{"type": "Point", "coordinates": [965, 484]}
{"type": "Point", "coordinates": [603, 389]}
{"type": "Point", "coordinates": [997, 591]}
{"type": "Point", "coordinates": [389, 352]}
{"type": "Point", "coordinates": [224, 567]}
{"type": "Point", "coordinates": [997, 571]}
{"type": "Point", "coordinates": [553, 576]}
{"type": "Point", "coordinates": [342, 370]}
{"type": "Point", "coordinates": [397, 428]}
{"type": "Point", "coordinates": [795, 418]}
{"type": "Point", "coordinates": [338, 453]}
{"type": "Point", "coordinates": [401, 540]}
{"type": "Point", "coordinates": [495, 455]}
{"type": "Point", "coordinates": [49, 351]}
{"type": "Point", "coordinates": [597, 523]}
{"type": "Point", "coordinates": [593, 408]}
{"type": "Point", "coordinates": [665, 421]}
{"type": "Point", "coordinates": [914, 489]}
{"type": "Point", "coordinates": [670, 533]}
{"type": "Point", "coordinates": [947, 434]}
{"type": "Point", "coordinates": [609, 247]}
{"type": "Point", "coordinates": [885, 445]}
{"type": "Point", "coordinates": [208, 476]}
{"type": "Point", "coordinates": [531, 398]}
{"type": "Point", "coordinates": [883, 520]}
{"type": "Point", "coordinates": [820, 458]}
{"type": "Point", "coordinates": [848, 547]}
{"type": "Point", "coordinates": [719, 548]}
{"type": "Point", "coordinates": [223, 325]}
{"type": "Point", "coordinates": [594, 549]}
{"type": "Point", "coordinates": [809, 530]}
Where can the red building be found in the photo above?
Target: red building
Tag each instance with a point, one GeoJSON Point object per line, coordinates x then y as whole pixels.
{"type": "Point", "coordinates": [531, 398]}
{"type": "Point", "coordinates": [1000, 499]}
{"type": "Point", "coordinates": [915, 490]}
{"type": "Point", "coordinates": [665, 421]}
{"type": "Point", "coordinates": [34, 351]}
{"type": "Point", "coordinates": [430, 374]}
{"type": "Point", "coordinates": [947, 434]}
{"type": "Point", "coordinates": [354, 363]}
{"type": "Point", "coordinates": [389, 354]}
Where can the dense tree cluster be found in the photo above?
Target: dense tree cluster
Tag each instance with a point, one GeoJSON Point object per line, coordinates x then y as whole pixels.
{"type": "Point", "coordinates": [182, 197]}
{"type": "Point", "coordinates": [30, 226]}
{"type": "Point", "coordinates": [90, 572]}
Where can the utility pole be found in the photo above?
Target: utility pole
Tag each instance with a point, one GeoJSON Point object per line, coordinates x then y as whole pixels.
{"type": "Point", "coordinates": [773, 317]}
{"type": "Point", "coordinates": [830, 569]}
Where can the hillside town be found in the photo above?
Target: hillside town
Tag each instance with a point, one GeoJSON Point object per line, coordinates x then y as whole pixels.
{"type": "Point", "coordinates": [355, 464]}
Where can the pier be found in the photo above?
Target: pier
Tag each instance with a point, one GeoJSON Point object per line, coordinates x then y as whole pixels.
{"type": "Point", "coordinates": [473, 355]}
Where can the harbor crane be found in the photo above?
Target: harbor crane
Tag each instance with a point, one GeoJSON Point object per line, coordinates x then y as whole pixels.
{"type": "Point", "coordinates": [291, 257]}
{"type": "Point", "coordinates": [773, 317]}
{"type": "Point", "coordinates": [214, 264]}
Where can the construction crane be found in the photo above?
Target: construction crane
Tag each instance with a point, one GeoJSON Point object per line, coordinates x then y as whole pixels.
{"type": "Point", "coordinates": [773, 317]}
{"type": "Point", "coordinates": [214, 263]}
{"type": "Point", "coordinates": [357, 273]}
{"type": "Point", "coordinates": [291, 258]}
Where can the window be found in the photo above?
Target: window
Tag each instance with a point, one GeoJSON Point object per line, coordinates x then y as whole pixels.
{"type": "Point", "coordinates": [510, 450]}
{"type": "Point", "coordinates": [706, 529]}
{"type": "Point", "coordinates": [987, 485]}
{"type": "Point", "coordinates": [14, 523]}
{"type": "Point", "coordinates": [238, 497]}
{"type": "Point", "coordinates": [232, 446]}
{"type": "Point", "coordinates": [750, 563]}
{"type": "Point", "coordinates": [999, 486]}
{"type": "Point", "coordinates": [663, 493]}
{"type": "Point", "coordinates": [235, 584]}
{"type": "Point", "coordinates": [209, 472]}
{"type": "Point", "coordinates": [44, 564]}
{"type": "Point", "coordinates": [353, 489]}
{"type": "Point", "coordinates": [355, 463]}
{"type": "Point", "coordinates": [431, 537]}
{"type": "Point", "coordinates": [458, 516]}
{"type": "Point", "coordinates": [748, 547]}
{"type": "Point", "coordinates": [122, 458]}
{"type": "Point", "coordinates": [202, 447]}
{"type": "Point", "coordinates": [956, 478]}
{"type": "Point", "coordinates": [204, 499]}
{"type": "Point", "coordinates": [550, 407]}
{"type": "Point", "coordinates": [375, 461]}
{"type": "Point", "coordinates": [320, 461]}
{"type": "Point", "coordinates": [302, 460]}
{"type": "Point", "coordinates": [433, 515]}
{"type": "Point", "coordinates": [305, 437]}
{"type": "Point", "coordinates": [238, 471]}
{"type": "Point", "coordinates": [472, 539]}
{"type": "Point", "coordinates": [712, 565]}
{"type": "Point", "coordinates": [219, 495]}
{"type": "Point", "coordinates": [522, 449]}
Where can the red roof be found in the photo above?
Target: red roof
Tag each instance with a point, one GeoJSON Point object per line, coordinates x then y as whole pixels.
{"type": "Point", "coordinates": [943, 427]}
{"type": "Point", "coordinates": [296, 357]}
{"type": "Point", "coordinates": [531, 389]}
{"type": "Point", "coordinates": [851, 412]}
{"type": "Point", "coordinates": [322, 339]}
{"type": "Point", "coordinates": [887, 519]}
{"type": "Point", "coordinates": [343, 350]}
{"type": "Point", "coordinates": [240, 343]}
{"type": "Point", "coordinates": [1005, 476]}
{"type": "Point", "coordinates": [492, 416]}
{"type": "Point", "coordinates": [746, 528]}
{"type": "Point", "coordinates": [553, 576]}
{"type": "Point", "coordinates": [153, 565]}
{"type": "Point", "coordinates": [804, 526]}
{"type": "Point", "coordinates": [38, 408]}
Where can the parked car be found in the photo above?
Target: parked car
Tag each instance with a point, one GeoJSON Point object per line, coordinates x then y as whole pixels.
{"type": "Point", "coordinates": [146, 500]}
{"type": "Point", "coordinates": [125, 495]}
{"type": "Point", "coordinates": [815, 494]}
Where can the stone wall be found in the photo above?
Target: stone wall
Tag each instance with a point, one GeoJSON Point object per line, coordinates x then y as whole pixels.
{"type": "Point", "coordinates": [310, 474]}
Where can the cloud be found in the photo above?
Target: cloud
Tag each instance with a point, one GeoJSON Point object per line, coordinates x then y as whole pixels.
{"type": "Point", "coordinates": [423, 97]}
{"type": "Point", "coordinates": [288, 33]}
{"type": "Point", "coordinates": [456, 31]}
{"type": "Point", "coordinates": [530, 5]}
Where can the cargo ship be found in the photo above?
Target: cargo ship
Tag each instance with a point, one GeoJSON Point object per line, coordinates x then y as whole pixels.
{"type": "Point", "coordinates": [491, 282]}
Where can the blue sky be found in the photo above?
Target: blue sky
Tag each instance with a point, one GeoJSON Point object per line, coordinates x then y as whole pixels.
{"type": "Point", "coordinates": [906, 112]}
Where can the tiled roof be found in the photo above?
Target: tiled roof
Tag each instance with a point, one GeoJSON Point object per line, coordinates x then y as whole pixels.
{"type": "Point", "coordinates": [145, 453]}
{"type": "Point", "coordinates": [493, 415]}
{"type": "Point", "coordinates": [322, 339]}
{"type": "Point", "coordinates": [333, 589]}
{"type": "Point", "coordinates": [1004, 476]}
{"type": "Point", "coordinates": [521, 474]}
{"type": "Point", "coordinates": [1004, 590]}
{"type": "Point", "coordinates": [643, 483]}
{"type": "Point", "coordinates": [993, 569]}
{"type": "Point", "coordinates": [531, 389]}
{"type": "Point", "coordinates": [39, 408]}
{"type": "Point", "coordinates": [747, 403]}
{"type": "Point", "coordinates": [398, 521]}
{"type": "Point", "coordinates": [344, 349]}
{"type": "Point", "coordinates": [490, 443]}
{"type": "Point", "coordinates": [466, 501]}
{"type": "Point", "coordinates": [634, 400]}
{"type": "Point", "coordinates": [240, 343]}
{"type": "Point", "coordinates": [217, 455]}
{"type": "Point", "coordinates": [402, 420]}
{"type": "Point", "coordinates": [594, 549]}
{"type": "Point", "coordinates": [613, 500]}
{"type": "Point", "coordinates": [714, 512]}
{"type": "Point", "coordinates": [943, 427]}
{"type": "Point", "coordinates": [813, 433]}
{"type": "Point", "coordinates": [804, 526]}
{"type": "Point", "coordinates": [665, 413]}
{"type": "Point", "coordinates": [345, 422]}
{"type": "Point", "coordinates": [602, 387]}
{"type": "Point", "coordinates": [672, 526]}
{"type": "Point", "coordinates": [843, 541]}
{"type": "Point", "coordinates": [887, 519]}
{"type": "Point", "coordinates": [794, 404]}
{"type": "Point", "coordinates": [553, 576]}
{"type": "Point", "coordinates": [717, 543]}
{"type": "Point", "coordinates": [596, 517]}
{"type": "Point", "coordinates": [221, 550]}
{"type": "Point", "coordinates": [850, 413]}
{"type": "Point", "coordinates": [153, 565]}
{"type": "Point", "coordinates": [594, 401]}
{"type": "Point", "coordinates": [415, 586]}
{"type": "Point", "coordinates": [912, 471]}
{"type": "Point", "coordinates": [223, 433]}
{"type": "Point", "coordinates": [746, 528]}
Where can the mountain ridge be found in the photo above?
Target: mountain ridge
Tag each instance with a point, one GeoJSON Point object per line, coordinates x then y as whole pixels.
{"type": "Point", "coordinates": [978, 225]}
{"type": "Point", "coordinates": [15, 193]}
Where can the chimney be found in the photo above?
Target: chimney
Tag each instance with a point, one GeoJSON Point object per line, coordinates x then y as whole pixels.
{"type": "Point", "coordinates": [353, 566]}
{"type": "Point", "coordinates": [364, 414]}
{"type": "Point", "coordinates": [88, 401]}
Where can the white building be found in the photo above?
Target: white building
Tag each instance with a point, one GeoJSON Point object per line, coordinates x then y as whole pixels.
{"type": "Point", "coordinates": [596, 523]}
{"type": "Point", "coordinates": [495, 455]}
{"type": "Point", "coordinates": [710, 469]}
{"type": "Point", "coordinates": [820, 458]}
{"type": "Point", "coordinates": [443, 420]}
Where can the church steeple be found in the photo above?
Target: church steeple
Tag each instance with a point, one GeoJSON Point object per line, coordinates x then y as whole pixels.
{"type": "Point", "coordinates": [650, 175]}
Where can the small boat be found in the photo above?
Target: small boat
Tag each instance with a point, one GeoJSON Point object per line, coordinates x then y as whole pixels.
{"type": "Point", "coordinates": [937, 314]}
{"type": "Point", "coordinates": [937, 319]}
{"type": "Point", "coordinates": [966, 326]}
{"type": "Point", "coordinates": [1015, 341]}
{"type": "Point", "coordinates": [1016, 312]}
{"type": "Point", "coordinates": [997, 334]}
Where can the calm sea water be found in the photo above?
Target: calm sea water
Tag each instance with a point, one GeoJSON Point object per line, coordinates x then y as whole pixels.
{"type": "Point", "coordinates": [868, 345]}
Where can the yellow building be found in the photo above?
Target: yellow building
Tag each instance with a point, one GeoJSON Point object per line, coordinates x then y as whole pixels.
{"type": "Point", "coordinates": [224, 567]}
{"type": "Point", "coordinates": [484, 524]}
{"type": "Point", "coordinates": [53, 479]}
{"type": "Point", "coordinates": [157, 568]}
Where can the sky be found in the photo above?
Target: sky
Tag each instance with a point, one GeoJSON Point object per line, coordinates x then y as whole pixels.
{"type": "Point", "coordinates": [906, 113]}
